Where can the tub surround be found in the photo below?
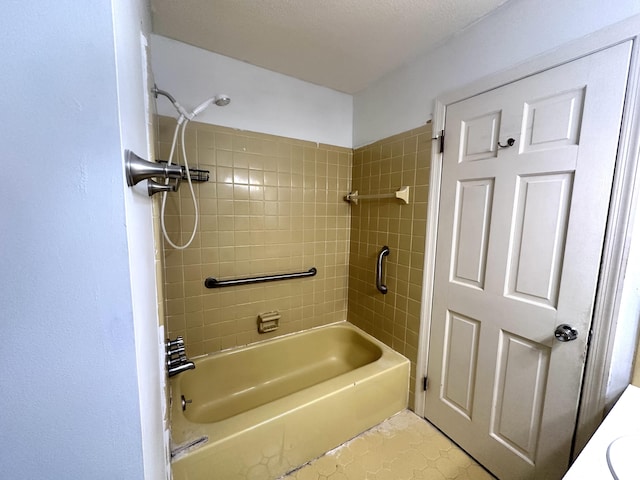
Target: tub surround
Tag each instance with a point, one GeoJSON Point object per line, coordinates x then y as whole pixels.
{"type": "Point", "coordinates": [275, 205]}
{"type": "Point", "coordinates": [270, 407]}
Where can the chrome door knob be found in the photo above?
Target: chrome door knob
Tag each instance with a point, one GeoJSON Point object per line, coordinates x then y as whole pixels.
{"type": "Point", "coordinates": [565, 333]}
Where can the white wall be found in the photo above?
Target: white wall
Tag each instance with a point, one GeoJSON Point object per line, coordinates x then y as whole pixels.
{"type": "Point", "coordinates": [132, 26]}
{"type": "Point", "coordinates": [519, 30]}
{"type": "Point", "coordinates": [261, 100]}
{"type": "Point", "coordinates": [69, 403]}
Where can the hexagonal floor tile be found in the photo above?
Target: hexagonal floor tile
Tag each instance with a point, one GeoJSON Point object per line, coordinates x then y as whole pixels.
{"type": "Point", "coordinates": [404, 446]}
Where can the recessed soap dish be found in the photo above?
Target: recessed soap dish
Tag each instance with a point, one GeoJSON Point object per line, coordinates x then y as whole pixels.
{"type": "Point", "coordinates": [268, 321]}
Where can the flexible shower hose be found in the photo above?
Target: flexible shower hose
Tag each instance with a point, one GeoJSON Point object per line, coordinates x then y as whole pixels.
{"type": "Point", "coordinates": [182, 121]}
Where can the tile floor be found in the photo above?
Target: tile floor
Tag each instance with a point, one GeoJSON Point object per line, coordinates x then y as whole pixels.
{"type": "Point", "coordinates": [404, 447]}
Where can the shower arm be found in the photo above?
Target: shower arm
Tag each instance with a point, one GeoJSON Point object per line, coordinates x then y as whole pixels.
{"type": "Point", "coordinates": [156, 91]}
{"type": "Point", "coordinates": [181, 110]}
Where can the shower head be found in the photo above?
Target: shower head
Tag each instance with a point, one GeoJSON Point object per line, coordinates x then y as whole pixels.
{"type": "Point", "coordinates": [221, 100]}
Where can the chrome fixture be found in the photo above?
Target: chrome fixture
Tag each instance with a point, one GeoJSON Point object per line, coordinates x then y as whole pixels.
{"type": "Point", "coordinates": [566, 333]}
{"type": "Point", "coordinates": [156, 91]}
{"type": "Point", "coordinates": [211, 282]}
{"type": "Point", "coordinates": [176, 357]}
{"type": "Point", "coordinates": [184, 402]}
{"type": "Point", "coordinates": [138, 169]}
{"type": "Point", "coordinates": [221, 100]}
{"type": "Point", "coordinates": [178, 342]}
{"type": "Point", "coordinates": [379, 285]}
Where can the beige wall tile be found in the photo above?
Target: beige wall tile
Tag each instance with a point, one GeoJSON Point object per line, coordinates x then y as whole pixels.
{"type": "Point", "coordinates": [383, 167]}
{"type": "Point", "coordinates": [265, 210]}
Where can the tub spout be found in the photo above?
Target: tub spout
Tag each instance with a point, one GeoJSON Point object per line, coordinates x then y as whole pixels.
{"type": "Point", "coordinates": [181, 367]}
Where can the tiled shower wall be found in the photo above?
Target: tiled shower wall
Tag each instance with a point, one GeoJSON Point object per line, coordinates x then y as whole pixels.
{"type": "Point", "coordinates": [275, 205]}
{"type": "Point", "coordinates": [383, 167]}
{"type": "Point", "coordinates": [272, 205]}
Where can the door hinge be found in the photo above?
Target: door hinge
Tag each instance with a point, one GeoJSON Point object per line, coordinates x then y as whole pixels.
{"type": "Point", "coordinates": [425, 384]}
{"type": "Point", "coordinates": [440, 138]}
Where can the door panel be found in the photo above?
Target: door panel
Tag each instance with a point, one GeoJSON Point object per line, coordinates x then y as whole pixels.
{"type": "Point", "coordinates": [553, 121]}
{"type": "Point", "coordinates": [473, 205]}
{"type": "Point", "coordinates": [522, 375]}
{"type": "Point", "coordinates": [459, 368]}
{"type": "Point", "coordinates": [538, 238]}
{"type": "Point", "coordinates": [480, 137]}
{"type": "Point", "coordinates": [520, 235]}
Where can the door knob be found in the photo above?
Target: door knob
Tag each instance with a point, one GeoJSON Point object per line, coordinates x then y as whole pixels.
{"type": "Point", "coordinates": [565, 333]}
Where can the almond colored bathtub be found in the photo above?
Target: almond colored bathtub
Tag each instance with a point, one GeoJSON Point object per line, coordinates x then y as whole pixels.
{"type": "Point", "coordinates": [260, 411]}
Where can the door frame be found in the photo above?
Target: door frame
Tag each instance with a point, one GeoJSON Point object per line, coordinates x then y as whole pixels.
{"type": "Point", "coordinates": [597, 392]}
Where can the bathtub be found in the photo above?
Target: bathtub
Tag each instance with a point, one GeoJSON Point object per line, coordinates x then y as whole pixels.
{"type": "Point", "coordinates": [259, 411]}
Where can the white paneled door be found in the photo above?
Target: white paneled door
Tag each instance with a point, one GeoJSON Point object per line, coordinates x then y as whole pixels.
{"type": "Point", "coordinates": [526, 180]}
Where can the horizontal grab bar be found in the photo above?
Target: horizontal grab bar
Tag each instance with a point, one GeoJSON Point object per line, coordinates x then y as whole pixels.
{"type": "Point", "coordinates": [213, 283]}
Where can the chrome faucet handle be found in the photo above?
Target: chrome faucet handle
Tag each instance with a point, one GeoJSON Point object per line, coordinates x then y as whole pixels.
{"type": "Point", "coordinates": [179, 350]}
{"type": "Point", "coordinates": [154, 187]}
{"type": "Point", "coordinates": [178, 342]}
{"type": "Point", "coordinates": [172, 362]}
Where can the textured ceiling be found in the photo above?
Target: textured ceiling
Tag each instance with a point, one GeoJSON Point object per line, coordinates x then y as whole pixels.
{"type": "Point", "coordinates": [341, 44]}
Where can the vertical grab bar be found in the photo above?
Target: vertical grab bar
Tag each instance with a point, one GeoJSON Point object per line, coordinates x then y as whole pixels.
{"type": "Point", "coordinates": [383, 253]}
